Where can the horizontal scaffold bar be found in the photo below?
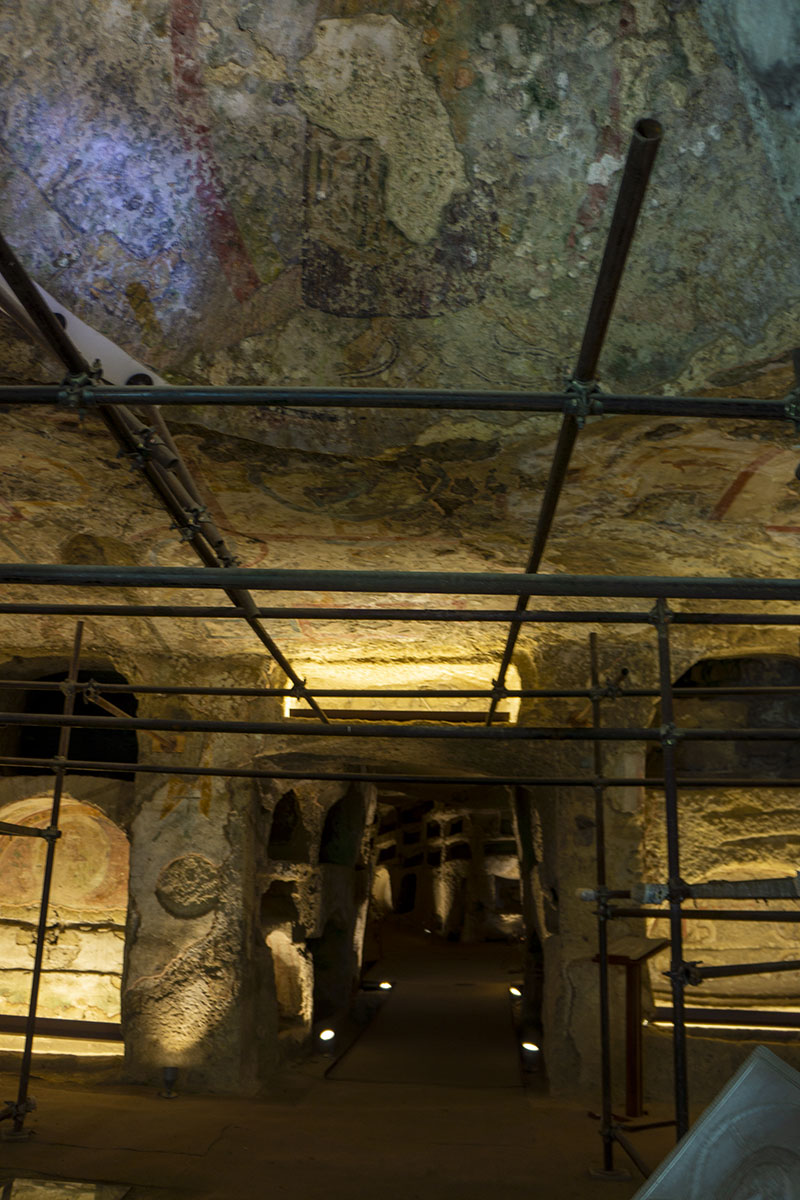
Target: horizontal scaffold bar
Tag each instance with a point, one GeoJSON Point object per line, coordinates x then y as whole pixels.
{"type": "Point", "coordinates": [410, 582]}
{"type": "Point", "coordinates": [788, 915]}
{"type": "Point", "coordinates": [734, 407]}
{"type": "Point", "coordinates": [739, 1018]}
{"type": "Point", "coordinates": [354, 729]}
{"type": "Point", "coordinates": [59, 1027]}
{"type": "Point", "coordinates": [361, 775]}
{"type": "Point", "coordinates": [13, 830]}
{"type": "Point", "coordinates": [328, 613]}
{"type": "Point", "coordinates": [610, 692]}
{"type": "Point", "coordinates": [498, 616]}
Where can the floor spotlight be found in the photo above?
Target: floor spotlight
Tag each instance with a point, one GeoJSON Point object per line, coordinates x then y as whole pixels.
{"type": "Point", "coordinates": [515, 990]}
{"type": "Point", "coordinates": [385, 986]}
{"type": "Point", "coordinates": [327, 1035]}
{"type": "Point", "coordinates": [531, 1047]}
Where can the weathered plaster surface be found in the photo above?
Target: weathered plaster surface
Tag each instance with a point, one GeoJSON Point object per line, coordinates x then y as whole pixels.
{"type": "Point", "coordinates": [363, 80]}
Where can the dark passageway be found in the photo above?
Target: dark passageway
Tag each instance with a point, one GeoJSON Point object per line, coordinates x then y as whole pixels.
{"type": "Point", "coordinates": [447, 1020]}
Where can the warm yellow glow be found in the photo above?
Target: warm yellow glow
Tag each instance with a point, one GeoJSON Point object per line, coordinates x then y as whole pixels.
{"type": "Point", "coordinates": [77, 1048]}
{"type": "Point", "coordinates": [337, 670]}
{"type": "Point", "coordinates": [515, 991]}
{"type": "Point", "coordinates": [326, 1035]}
{"type": "Point", "coordinates": [725, 1025]}
{"type": "Point", "coordinates": [529, 1046]}
{"type": "Point", "coordinates": [775, 1010]}
{"type": "Point", "coordinates": [385, 986]}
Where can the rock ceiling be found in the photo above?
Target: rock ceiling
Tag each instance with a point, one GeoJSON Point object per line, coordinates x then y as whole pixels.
{"type": "Point", "coordinates": [404, 193]}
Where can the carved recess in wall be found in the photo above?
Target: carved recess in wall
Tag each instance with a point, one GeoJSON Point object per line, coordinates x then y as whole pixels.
{"type": "Point", "coordinates": [357, 263]}
{"type": "Point", "coordinates": [745, 1146]}
{"type": "Point", "coordinates": [188, 886]}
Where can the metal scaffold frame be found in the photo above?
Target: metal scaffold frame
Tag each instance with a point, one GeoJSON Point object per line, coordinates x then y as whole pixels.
{"type": "Point", "coordinates": [133, 418]}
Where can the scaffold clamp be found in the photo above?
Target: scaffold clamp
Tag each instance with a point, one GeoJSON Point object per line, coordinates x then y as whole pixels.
{"type": "Point", "coordinates": [76, 389]}
{"type": "Point", "coordinates": [583, 400]}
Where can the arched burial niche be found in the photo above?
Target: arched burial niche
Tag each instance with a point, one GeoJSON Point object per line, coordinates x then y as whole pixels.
{"type": "Point", "coordinates": [35, 741]}
{"type": "Point", "coordinates": [288, 838]}
{"type": "Point", "coordinates": [732, 833]}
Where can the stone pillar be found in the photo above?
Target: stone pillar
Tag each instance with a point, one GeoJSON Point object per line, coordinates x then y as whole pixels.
{"type": "Point", "coordinates": [198, 992]}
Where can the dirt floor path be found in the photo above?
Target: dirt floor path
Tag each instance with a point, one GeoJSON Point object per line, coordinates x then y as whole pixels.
{"type": "Point", "coordinates": [447, 1020]}
{"type": "Point", "coordinates": [427, 1105]}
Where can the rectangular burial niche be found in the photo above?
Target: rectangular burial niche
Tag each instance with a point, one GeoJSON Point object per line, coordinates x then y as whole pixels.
{"type": "Point", "coordinates": [734, 834]}
{"type": "Point", "coordinates": [446, 869]}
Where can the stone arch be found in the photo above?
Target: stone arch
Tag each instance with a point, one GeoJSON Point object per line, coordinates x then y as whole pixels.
{"type": "Point", "coordinates": [86, 916]}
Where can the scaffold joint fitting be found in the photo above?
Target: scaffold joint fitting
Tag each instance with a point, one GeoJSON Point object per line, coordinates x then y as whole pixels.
{"type": "Point", "coordinates": [76, 389]}
{"type": "Point", "coordinates": [792, 407]}
{"type": "Point", "coordinates": [583, 400]}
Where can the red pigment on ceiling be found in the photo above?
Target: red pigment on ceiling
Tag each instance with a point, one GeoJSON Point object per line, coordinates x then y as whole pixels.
{"type": "Point", "coordinates": [740, 482]}
{"type": "Point", "coordinates": [224, 236]}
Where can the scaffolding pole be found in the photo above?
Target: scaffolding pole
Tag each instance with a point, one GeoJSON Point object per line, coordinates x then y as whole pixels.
{"type": "Point", "coordinates": [642, 152]}
{"type": "Point", "coordinates": [23, 1103]}
{"type": "Point", "coordinates": [607, 1122]}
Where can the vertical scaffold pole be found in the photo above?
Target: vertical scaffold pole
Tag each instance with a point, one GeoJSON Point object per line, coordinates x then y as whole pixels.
{"type": "Point", "coordinates": [606, 1129]}
{"type": "Point", "coordinates": [22, 1106]}
{"type": "Point", "coordinates": [675, 883]}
